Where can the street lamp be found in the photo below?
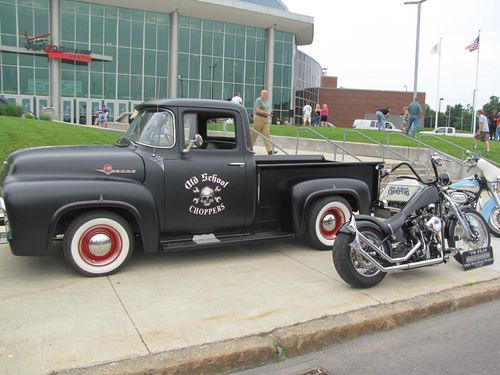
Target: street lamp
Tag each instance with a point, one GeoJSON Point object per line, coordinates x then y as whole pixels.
{"type": "Point", "coordinates": [419, 3]}
{"type": "Point", "coordinates": [439, 110]}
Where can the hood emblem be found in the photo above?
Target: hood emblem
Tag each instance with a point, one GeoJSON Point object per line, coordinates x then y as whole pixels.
{"type": "Point", "coordinates": [107, 169]}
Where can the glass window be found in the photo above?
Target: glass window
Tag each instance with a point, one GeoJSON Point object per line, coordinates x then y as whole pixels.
{"type": "Point", "coordinates": [260, 50]}
{"type": "Point", "coordinates": [97, 10]}
{"type": "Point", "coordinates": [163, 19]}
{"type": "Point", "coordinates": [96, 84]}
{"type": "Point", "coordinates": [124, 13]}
{"type": "Point", "coordinates": [25, 19]}
{"type": "Point", "coordinates": [238, 71]}
{"type": "Point", "coordinates": [287, 54]}
{"type": "Point", "coordinates": [149, 62]}
{"type": "Point", "coordinates": [26, 60]}
{"type": "Point", "coordinates": [163, 35]}
{"type": "Point", "coordinates": [110, 86]}
{"type": "Point", "coordinates": [229, 28]}
{"type": "Point", "coordinates": [136, 87]}
{"type": "Point", "coordinates": [82, 29]}
{"type": "Point", "coordinates": [110, 12]}
{"type": "Point", "coordinates": [152, 128]}
{"type": "Point", "coordinates": [137, 33]}
{"type": "Point", "coordinates": [9, 40]}
{"type": "Point", "coordinates": [68, 5]}
{"type": "Point", "coordinates": [228, 70]}
{"type": "Point", "coordinates": [149, 88]}
{"type": "Point", "coordinates": [81, 84]}
{"type": "Point", "coordinates": [207, 43]}
{"type": "Point", "coordinates": [9, 74]}
{"type": "Point", "coordinates": [162, 64]}
{"type": "Point", "coordinates": [97, 49]}
{"type": "Point", "coordinates": [238, 29]}
{"type": "Point", "coordinates": [278, 53]}
{"type": "Point", "coordinates": [41, 21]}
{"type": "Point", "coordinates": [229, 47]}
{"type": "Point", "coordinates": [27, 81]}
{"type": "Point", "coordinates": [82, 8]}
{"type": "Point", "coordinates": [194, 88]}
{"type": "Point", "coordinates": [41, 61]}
{"type": "Point", "coordinates": [9, 58]}
{"type": "Point", "coordinates": [124, 60]}
{"type": "Point", "coordinates": [259, 73]}
{"type": "Point", "coordinates": [110, 66]}
{"type": "Point", "coordinates": [138, 15]}
{"type": "Point", "coordinates": [96, 30]}
{"type": "Point", "coordinates": [183, 40]}
{"type": "Point", "coordinates": [123, 86]}
{"type": "Point", "coordinates": [161, 88]}
{"type": "Point", "coordinates": [251, 31]}
{"type": "Point", "coordinates": [208, 25]}
{"type": "Point", "coordinates": [205, 90]}
{"type": "Point", "coordinates": [194, 67]}
{"type": "Point", "coordinates": [218, 44]}
{"type": "Point", "coordinates": [150, 37]}
{"type": "Point", "coordinates": [183, 21]}
{"type": "Point", "coordinates": [67, 26]}
{"type": "Point", "coordinates": [206, 73]}
{"type": "Point", "coordinates": [67, 83]}
{"type": "Point", "coordinates": [109, 32]}
{"type": "Point", "coordinates": [239, 47]}
{"type": "Point", "coordinates": [195, 23]}
{"type": "Point", "coordinates": [183, 64]}
{"type": "Point", "coordinates": [136, 61]}
{"type": "Point", "coordinates": [124, 33]}
{"type": "Point", "coordinates": [41, 81]}
{"type": "Point", "coordinates": [195, 41]}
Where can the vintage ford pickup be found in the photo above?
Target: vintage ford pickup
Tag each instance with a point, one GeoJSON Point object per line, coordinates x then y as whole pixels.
{"type": "Point", "coordinates": [183, 176]}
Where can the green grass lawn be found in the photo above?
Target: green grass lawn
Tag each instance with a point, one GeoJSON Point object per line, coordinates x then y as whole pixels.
{"type": "Point", "coordinates": [17, 133]}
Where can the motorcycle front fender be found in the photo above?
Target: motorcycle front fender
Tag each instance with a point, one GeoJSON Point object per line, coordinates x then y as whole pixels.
{"type": "Point", "coordinates": [487, 208]}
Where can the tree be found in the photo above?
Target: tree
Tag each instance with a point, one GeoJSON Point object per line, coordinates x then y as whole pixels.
{"type": "Point", "coordinates": [494, 103]}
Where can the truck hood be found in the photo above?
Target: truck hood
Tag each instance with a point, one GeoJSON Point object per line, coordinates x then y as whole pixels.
{"type": "Point", "coordinates": [75, 162]}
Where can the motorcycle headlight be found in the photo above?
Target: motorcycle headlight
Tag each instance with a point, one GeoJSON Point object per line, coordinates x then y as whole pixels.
{"type": "Point", "coordinates": [444, 177]}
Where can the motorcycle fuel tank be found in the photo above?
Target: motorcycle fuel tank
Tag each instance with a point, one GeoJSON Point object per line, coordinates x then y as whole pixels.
{"type": "Point", "coordinates": [467, 184]}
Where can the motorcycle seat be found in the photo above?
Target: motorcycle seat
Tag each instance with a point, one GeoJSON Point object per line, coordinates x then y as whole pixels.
{"type": "Point", "coordinates": [389, 226]}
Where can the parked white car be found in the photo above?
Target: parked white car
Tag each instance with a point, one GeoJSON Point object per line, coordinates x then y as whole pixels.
{"type": "Point", "coordinates": [446, 130]}
{"type": "Point", "coordinates": [372, 125]}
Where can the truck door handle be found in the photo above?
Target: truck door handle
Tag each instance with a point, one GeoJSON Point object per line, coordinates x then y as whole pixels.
{"type": "Point", "coordinates": [236, 164]}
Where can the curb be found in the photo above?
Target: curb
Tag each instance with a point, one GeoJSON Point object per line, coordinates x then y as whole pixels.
{"type": "Point", "coordinates": [281, 343]}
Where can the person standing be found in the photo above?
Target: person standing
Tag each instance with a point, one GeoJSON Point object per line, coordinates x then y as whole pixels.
{"type": "Point", "coordinates": [405, 116]}
{"type": "Point", "coordinates": [317, 115]}
{"type": "Point", "coordinates": [237, 98]}
{"type": "Point", "coordinates": [306, 113]}
{"type": "Point", "coordinates": [415, 111]}
{"type": "Point", "coordinates": [324, 115]}
{"type": "Point", "coordinates": [261, 114]}
{"type": "Point", "coordinates": [382, 114]}
{"type": "Point", "coordinates": [498, 129]}
{"type": "Point", "coordinates": [493, 123]}
{"type": "Point", "coordinates": [483, 130]}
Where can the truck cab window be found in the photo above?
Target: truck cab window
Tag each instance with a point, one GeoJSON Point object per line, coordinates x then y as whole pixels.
{"type": "Point", "coordinates": [153, 128]}
{"type": "Point", "coordinates": [217, 130]}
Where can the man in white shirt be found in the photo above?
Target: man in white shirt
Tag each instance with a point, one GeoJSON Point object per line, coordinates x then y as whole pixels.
{"type": "Point", "coordinates": [306, 112]}
{"type": "Point", "coordinates": [483, 130]}
{"type": "Point", "coordinates": [237, 98]}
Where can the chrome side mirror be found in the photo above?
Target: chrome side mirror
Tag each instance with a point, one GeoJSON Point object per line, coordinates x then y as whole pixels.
{"type": "Point", "coordinates": [197, 141]}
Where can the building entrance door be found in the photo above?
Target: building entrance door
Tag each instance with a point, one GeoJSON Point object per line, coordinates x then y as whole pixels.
{"type": "Point", "coordinates": [122, 109]}
{"type": "Point", "coordinates": [68, 110]}
{"type": "Point", "coordinates": [27, 103]}
{"type": "Point", "coordinates": [41, 103]}
{"type": "Point", "coordinates": [95, 106]}
{"type": "Point", "coordinates": [84, 116]}
{"type": "Point", "coordinates": [111, 108]}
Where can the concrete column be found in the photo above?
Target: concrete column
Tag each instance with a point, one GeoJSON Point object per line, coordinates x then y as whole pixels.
{"type": "Point", "coordinates": [268, 80]}
{"type": "Point", "coordinates": [55, 64]}
{"type": "Point", "coordinates": [173, 53]}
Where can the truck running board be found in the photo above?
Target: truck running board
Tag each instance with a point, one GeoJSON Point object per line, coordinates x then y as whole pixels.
{"type": "Point", "coordinates": [212, 241]}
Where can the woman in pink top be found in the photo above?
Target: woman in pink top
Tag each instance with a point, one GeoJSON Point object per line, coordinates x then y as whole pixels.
{"type": "Point", "coordinates": [324, 115]}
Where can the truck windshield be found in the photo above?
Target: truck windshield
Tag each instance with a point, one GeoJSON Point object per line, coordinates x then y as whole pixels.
{"type": "Point", "coordinates": [152, 127]}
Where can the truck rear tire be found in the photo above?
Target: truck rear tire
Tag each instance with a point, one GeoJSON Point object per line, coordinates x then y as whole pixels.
{"type": "Point", "coordinates": [98, 243]}
{"type": "Point", "coordinates": [325, 217]}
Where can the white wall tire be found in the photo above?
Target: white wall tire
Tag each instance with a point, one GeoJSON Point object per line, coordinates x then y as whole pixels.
{"type": "Point", "coordinates": [98, 244]}
{"type": "Point", "coordinates": [326, 216]}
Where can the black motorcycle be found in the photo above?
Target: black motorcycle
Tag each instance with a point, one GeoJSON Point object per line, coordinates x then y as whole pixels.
{"type": "Point", "coordinates": [429, 228]}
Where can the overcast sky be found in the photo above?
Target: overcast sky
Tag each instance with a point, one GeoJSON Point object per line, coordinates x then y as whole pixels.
{"type": "Point", "coordinates": [370, 44]}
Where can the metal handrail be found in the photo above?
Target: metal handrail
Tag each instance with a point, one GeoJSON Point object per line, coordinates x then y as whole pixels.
{"type": "Point", "coordinates": [334, 144]}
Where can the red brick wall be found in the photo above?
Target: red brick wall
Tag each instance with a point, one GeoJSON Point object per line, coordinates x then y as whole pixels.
{"type": "Point", "coordinates": [346, 105]}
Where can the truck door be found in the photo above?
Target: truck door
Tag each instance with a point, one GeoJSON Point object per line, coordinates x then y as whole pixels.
{"type": "Point", "coordinates": [206, 187]}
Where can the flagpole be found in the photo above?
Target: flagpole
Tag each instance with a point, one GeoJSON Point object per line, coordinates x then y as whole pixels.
{"type": "Point", "coordinates": [439, 71]}
{"type": "Point", "coordinates": [475, 89]}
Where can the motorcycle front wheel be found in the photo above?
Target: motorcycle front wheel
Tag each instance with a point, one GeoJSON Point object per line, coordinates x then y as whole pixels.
{"type": "Point", "coordinates": [480, 235]}
{"type": "Point", "coordinates": [494, 221]}
{"type": "Point", "coordinates": [351, 266]}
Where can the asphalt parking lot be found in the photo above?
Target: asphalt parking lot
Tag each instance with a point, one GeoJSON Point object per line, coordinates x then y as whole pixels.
{"type": "Point", "coordinates": [52, 319]}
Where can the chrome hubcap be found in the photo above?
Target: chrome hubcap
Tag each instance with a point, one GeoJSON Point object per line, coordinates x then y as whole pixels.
{"type": "Point", "coordinates": [329, 222]}
{"type": "Point", "coordinates": [100, 244]}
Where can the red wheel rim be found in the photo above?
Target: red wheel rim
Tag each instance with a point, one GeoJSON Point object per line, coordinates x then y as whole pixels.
{"type": "Point", "coordinates": [329, 231]}
{"type": "Point", "coordinates": [91, 257]}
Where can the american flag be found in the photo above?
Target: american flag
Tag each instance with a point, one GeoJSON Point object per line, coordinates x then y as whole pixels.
{"type": "Point", "coordinates": [473, 46]}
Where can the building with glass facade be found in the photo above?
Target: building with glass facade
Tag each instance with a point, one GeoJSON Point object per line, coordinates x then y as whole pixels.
{"type": "Point", "coordinates": [76, 56]}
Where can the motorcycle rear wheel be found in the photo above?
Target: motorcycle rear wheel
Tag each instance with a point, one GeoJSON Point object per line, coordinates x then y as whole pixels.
{"type": "Point", "coordinates": [478, 226]}
{"type": "Point", "coordinates": [351, 266]}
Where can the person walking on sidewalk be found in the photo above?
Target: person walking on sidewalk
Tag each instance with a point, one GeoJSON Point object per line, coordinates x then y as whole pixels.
{"type": "Point", "coordinates": [382, 114]}
{"type": "Point", "coordinates": [415, 111]}
{"type": "Point", "coordinates": [493, 123]}
{"type": "Point", "coordinates": [261, 114]}
{"type": "Point", "coordinates": [483, 130]}
{"type": "Point", "coordinates": [306, 112]}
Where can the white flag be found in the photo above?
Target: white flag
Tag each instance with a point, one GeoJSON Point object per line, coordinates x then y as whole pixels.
{"type": "Point", "coordinates": [436, 48]}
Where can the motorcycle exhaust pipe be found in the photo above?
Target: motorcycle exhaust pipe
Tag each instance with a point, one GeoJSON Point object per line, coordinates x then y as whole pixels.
{"type": "Point", "coordinates": [365, 240]}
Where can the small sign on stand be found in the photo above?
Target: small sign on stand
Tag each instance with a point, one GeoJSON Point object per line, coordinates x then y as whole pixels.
{"type": "Point", "coordinates": [476, 258]}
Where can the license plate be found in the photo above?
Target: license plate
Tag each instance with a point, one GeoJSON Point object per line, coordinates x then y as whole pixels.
{"type": "Point", "coordinates": [476, 258]}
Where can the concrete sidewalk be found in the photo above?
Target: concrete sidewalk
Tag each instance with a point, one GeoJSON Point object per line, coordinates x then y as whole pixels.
{"type": "Point", "coordinates": [159, 310]}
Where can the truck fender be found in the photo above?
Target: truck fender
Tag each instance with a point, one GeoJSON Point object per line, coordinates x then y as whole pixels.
{"type": "Point", "coordinates": [148, 226]}
{"type": "Point", "coordinates": [304, 193]}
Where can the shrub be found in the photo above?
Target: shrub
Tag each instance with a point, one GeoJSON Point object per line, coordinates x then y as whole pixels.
{"type": "Point", "coordinates": [29, 115]}
{"type": "Point", "coordinates": [11, 110]}
{"type": "Point", "coordinates": [45, 117]}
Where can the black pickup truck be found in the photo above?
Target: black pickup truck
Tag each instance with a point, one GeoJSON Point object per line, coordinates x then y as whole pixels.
{"type": "Point", "coordinates": [183, 176]}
